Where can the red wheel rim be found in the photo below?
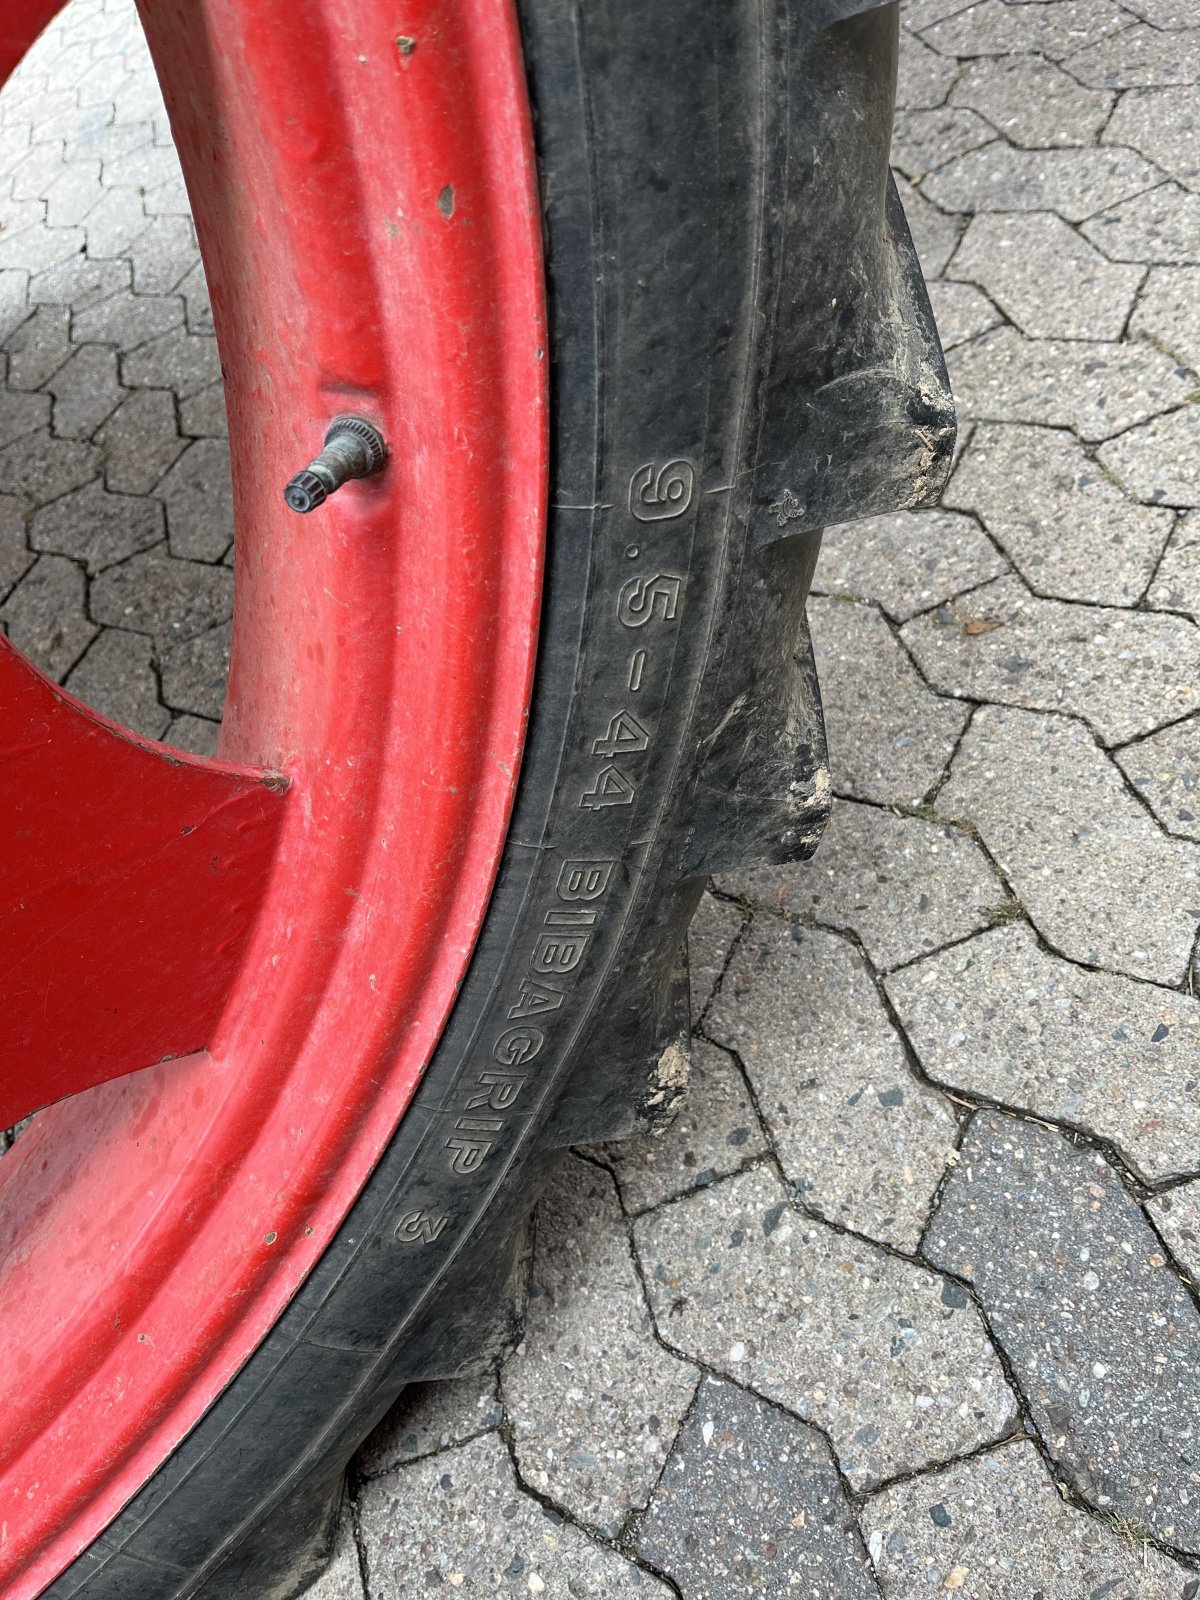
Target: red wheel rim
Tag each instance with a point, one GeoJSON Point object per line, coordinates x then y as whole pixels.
{"type": "Point", "coordinates": [368, 217]}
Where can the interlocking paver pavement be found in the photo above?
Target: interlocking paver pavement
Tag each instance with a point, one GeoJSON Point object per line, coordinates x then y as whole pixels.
{"type": "Point", "coordinates": [996, 1526]}
{"type": "Point", "coordinates": [1003, 915]}
{"type": "Point", "coordinates": [750, 1503]}
{"type": "Point", "coordinates": [1124, 673]}
{"type": "Point", "coordinates": [903, 885]}
{"type": "Point", "coordinates": [861, 1140]}
{"type": "Point", "coordinates": [1103, 1337]}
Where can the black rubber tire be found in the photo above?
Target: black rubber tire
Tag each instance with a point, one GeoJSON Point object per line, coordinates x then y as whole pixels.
{"type": "Point", "coordinates": [741, 351]}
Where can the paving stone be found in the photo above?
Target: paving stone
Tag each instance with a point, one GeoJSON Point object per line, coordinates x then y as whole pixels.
{"type": "Point", "coordinates": [1051, 283]}
{"type": "Point", "coordinates": [15, 556]}
{"type": "Point", "coordinates": [995, 27]}
{"type": "Point", "coordinates": [1162, 125]}
{"type": "Point", "coordinates": [107, 140]}
{"type": "Point", "coordinates": [202, 416]}
{"type": "Point", "coordinates": [1070, 530]}
{"type": "Point", "coordinates": [163, 255]}
{"type": "Point", "coordinates": [715, 1132]}
{"type": "Point", "coordinates": [14, 302]}
{"type": "Point", "coordinates": [459, 1520]}
{"type": "Point", "coordinates": [14, 145]}
{"type": "Point", "coordinates": [1140, 58]}
{"type": "Point", "coordinates": [593, 1400]}
{"type": "Point", "coordinates": [429, 1417]}
{"type": "Point", "coordinates": [85, 391]}
{"type": "Point", "coordinates": [955, 1530]}
{"type": "Point", "coordinates": [923, 140]}
{"type": "Point", "coordinates": [1073, 183]}
{"type": "Point", "coordinates": [908, 560]}
{"type": "Point", "coordinates": [38, 347]}
{"type": "Point", "coordinates": [1160, 461]}
{"type": "Point", "coordinates": [21, 414]}
{"type": "Point", "coordinates": [890, 1361]}
{"type": "Point", "coordinates": [925, 77]}
{"type": "Point", "coordinates": [934, 234]}
{"type": "Point", "coordinates": [864, 1143]}
{"type": "Point", "coordinates": [114, 223]}
{"type": "Point", "coordinates": [1101, 881]}
{"type": "Point", "coordinates": [1177, 581]}
{"type": "Point", "coordinates": [79, 283]}
{"type": "Point", "coordinates": [127, 320]}
{"type": "Point", "coordinates": [961, 312]}
{"type": "Point", "coordinates": [1164, 13]}
{"type": "Point", "coordinates": [140, 441]}
{"type": "Point", "coordinates": [1003, 1019]}
{"type": "Point", "coordinates": [1101, 1335]}
{"type": "Point", "coordinates": [19, 217]}
{"type": "Point", "coordinates": [1098, 389]}
{"type": "Point", "coordinates": [918, 14]}
{"type": "Point", "coordinates": [97, 527]}
{"type": "Point", "coordinates": [139, 99]}
{"type": "Point", "coordinates": [714, 928]}
{"type": "Point", "coordinates": [750, 1503]}
{"type": "Point", "coordinates": [1165, 770]}
{"type": "Point", "coordinates": [182, 361]}
{"type": "Point", "coordinates": [903, 885]}
{"type": "Point", "coordinates": [74, 194]}
{"type": "Point", "coordinates": [116, 677]}
{"type": "Point", "coordinates": [1177, 1217]}
{"type": "Point", "coordinates": [156, 594]}
{"type": "Point", "coordinates": [1162, 224]}
{"type": "Point", "coordinates": [37, 171]}
{"type": "Point", "coordinates": [1032, 101]}
{"type": "Point", "coordinates": [342, 1578]}
{"type": "Point", "coordinates": [143, 167]}
{"type": "Point", "coordinates": [199, 497]}
{"type": "Point", "coordinates": [194, 674]}
{"type": "Point", "coordinates": [193, 286]}
{"type": "Point", "coordinates": [1168, 313]}
{"type": "Point", "coordinates": [889, 737]}
{"type": "Point", "coordinates": [45, 616]}
{"type": "Point", "coordinates": [169, 199]}
{"type": "Point", "coordinates": [1124, 672]}
{"type": "Point", "coordinates": [98, 85]}
{"type": "Point", "coordinates": [40, 468]}
{"type": "Point", "coordinates": [196, 734]}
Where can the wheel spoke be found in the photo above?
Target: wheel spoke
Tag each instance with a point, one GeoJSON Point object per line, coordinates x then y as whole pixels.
{"type": "Point", "coordinates": [129, 884]}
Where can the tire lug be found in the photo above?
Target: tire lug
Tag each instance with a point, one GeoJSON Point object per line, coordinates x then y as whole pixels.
{"type": "Point", "coordinates": [354, 448]}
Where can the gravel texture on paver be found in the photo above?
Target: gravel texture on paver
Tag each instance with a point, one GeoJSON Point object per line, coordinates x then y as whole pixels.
{"type": "Point", "coordinates": [592, 1399]}
{"type": "Point", "coordinates": [903, 885]}
{"type": "Point", "coordinates": [750, 1503]}
{"type": "Point", "coordinates": [1071, 532]}
{"type": "Point", "coordinates": [1101, 881]}
{"type": "Point", "coordinates": [715, 1133]}
{"type": "Point", "coordinates": [1124, 673]}
{"type": "Point", "coordinates": [863, 1142]}
{"type": "Point", "coordinates": [889, 736]}
{"type": "Point", "coordinates": [997, 1528]}
{"type": "Point", "coordinates": [1001, 1018]}
{"type": "Point", "coordinates": [1102, 1336]}
{"type": "Point", "coordinates": [460, 1522]}
{"type": "Point", "coordinates": [890, 1360]}
{"type": "Point", "coordinates": [907, 561]}
{"type": "Point", "coordinates": [1165, 771]}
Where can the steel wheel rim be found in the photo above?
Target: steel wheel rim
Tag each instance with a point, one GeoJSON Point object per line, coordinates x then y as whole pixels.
{"type": "Point", "coordinates": [156, 1226]}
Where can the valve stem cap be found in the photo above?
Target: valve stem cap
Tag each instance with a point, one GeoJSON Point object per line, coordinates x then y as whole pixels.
{"type": "Point", "coordinates": [354, 448]}
{"type": "Point", "coordinates": [305, 492]}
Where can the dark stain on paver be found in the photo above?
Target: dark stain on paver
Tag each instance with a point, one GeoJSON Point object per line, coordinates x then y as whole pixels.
{"type": "Point", "coordinates": [750, 1503]}
{"type": "Point", "coordinates": [1103, 1337]}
